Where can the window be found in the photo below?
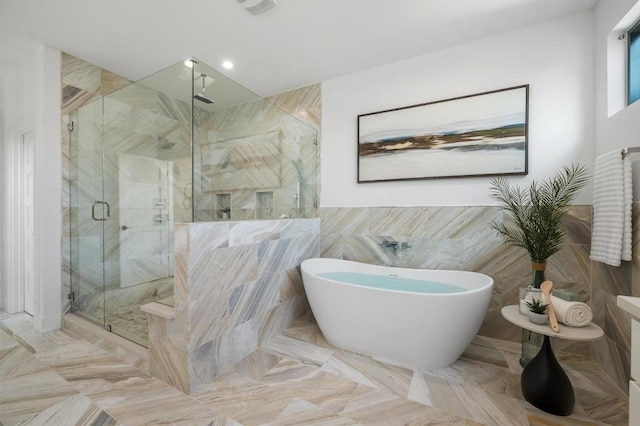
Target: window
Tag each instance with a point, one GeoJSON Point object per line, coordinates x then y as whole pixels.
{"type": "Point", "coordinates": [633, 61]}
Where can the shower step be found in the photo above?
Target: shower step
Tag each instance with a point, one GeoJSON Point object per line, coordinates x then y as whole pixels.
{"type": "Point", "coordinates": [127, 351]}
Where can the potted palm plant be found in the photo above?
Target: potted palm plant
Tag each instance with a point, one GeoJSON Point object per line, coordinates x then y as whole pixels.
{"type": "Point", "coordinates": [538, 214]}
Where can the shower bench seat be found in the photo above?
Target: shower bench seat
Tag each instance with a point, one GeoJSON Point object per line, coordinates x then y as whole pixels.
{"type": "Point", "coordinates": [159, 309]}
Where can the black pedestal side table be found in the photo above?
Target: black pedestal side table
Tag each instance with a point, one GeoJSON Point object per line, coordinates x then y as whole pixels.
{"type": "Point", "coordinates": [544, 383]}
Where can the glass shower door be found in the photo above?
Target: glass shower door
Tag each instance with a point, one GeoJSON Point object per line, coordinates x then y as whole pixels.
{"type": "Point", "coordinates": [138, 240]}
{"type": "Point", "coordinates": [89, 211]}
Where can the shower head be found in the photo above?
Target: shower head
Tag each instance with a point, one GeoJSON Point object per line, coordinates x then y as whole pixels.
{"type": "Point", "coordinates": [200, 96]}
{"type": "Point", "coordinates": [164, 143]}
{"type": "Point", "coordinates": [203, 98]}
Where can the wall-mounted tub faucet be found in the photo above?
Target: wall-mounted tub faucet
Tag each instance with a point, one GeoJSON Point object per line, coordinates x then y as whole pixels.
{"type": "Point", "coordinates": [395, 245]}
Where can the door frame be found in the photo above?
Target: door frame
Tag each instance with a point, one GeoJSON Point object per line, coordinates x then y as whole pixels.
{"type": "Point", "coordinates": [17, 263]}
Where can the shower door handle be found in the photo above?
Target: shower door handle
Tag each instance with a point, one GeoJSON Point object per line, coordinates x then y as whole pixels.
{"type": "Point", "coordinates": [93, 211]}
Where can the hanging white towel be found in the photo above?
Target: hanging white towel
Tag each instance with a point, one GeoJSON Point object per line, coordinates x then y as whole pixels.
{"type": "Point", "coordinates": [628, 207]}
{"type": "Point", "coordinates": [612, 196]}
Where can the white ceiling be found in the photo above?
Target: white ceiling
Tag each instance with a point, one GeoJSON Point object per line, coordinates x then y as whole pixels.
{"type": "Point", "coordinates": [297, 43]}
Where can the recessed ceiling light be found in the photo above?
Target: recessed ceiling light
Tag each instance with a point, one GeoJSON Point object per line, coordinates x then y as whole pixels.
{"type": "Point", "coordinates": [227, 65]}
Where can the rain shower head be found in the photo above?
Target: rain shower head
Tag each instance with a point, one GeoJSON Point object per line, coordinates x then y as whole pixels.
{"type": "Point", "coordinates": [203, 98]}
{"type": "Point", "coordinates": [200, 96]}
{"type": "Point", "coordinates": [164, 143]}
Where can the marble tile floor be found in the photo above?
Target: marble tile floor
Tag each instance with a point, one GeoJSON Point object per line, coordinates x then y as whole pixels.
{"type": "Point", "coordinates": [296, 378]}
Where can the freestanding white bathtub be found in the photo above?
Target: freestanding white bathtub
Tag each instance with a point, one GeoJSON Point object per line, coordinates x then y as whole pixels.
{"type": "Point", "coordinates": [418, 322]}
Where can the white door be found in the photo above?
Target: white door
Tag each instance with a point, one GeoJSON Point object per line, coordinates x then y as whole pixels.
{"type": "Point", "coordinates": [28, 141]}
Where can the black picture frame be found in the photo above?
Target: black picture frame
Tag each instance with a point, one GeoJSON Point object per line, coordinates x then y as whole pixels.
{"type": "Point", "coordinates": [483, 134]}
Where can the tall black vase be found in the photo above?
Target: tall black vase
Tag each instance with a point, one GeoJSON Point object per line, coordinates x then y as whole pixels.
{"type": "Point", "coordinates": [532, 341]}
{"type": "Point", "coordinates": [545, 384]}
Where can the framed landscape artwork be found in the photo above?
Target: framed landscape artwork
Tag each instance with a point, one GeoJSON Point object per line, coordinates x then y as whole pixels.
{"type": "Point", "coordinates": [483, 134]}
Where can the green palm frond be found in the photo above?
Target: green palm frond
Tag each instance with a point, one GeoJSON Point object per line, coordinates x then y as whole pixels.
{"type": "Point", "coordinates": [538, 212]}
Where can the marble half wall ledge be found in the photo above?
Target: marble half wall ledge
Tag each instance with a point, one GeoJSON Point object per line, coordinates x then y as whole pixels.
{"type": "Point", "coordinates": [159, 309]}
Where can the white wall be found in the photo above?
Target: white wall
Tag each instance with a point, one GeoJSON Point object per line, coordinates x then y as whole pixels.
{"type": "Point", "coordinates": [621, 129]}
{"type": "Point", "coordinates": [3, 204]}
{"type": "Point", "coordinates": [31, 100]}
{"type": "Point", "coordinates": [555, 58]}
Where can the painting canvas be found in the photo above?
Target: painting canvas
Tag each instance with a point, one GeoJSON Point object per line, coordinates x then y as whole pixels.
{"type": "Point", "coordinates": [484, 134]}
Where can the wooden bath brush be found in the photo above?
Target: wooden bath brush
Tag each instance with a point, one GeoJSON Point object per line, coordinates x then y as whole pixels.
{"type": "Point", "coordinates": [547, 287]}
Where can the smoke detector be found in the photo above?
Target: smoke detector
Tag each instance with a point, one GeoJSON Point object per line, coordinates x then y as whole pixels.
{"type": "Point", "coordinates": [257, 7]}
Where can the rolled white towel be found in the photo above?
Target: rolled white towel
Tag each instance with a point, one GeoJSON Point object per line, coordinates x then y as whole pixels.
{"type": "Point", "coordinates": [573, 314]}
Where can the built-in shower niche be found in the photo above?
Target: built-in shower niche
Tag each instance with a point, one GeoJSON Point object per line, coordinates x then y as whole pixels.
{"type": "Point", "coordinates": [223, 206]}
{"type": "Point", "coordinates": [264, 205]}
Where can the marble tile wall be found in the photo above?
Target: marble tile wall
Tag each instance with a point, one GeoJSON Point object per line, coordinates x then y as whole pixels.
{"type": "Point", "coordinates": [613, 352]}
{"type": "Point", "coordinates": [236, 285]}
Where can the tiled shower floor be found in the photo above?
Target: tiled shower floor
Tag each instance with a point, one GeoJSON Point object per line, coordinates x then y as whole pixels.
{"type": "Point", "coordinates": [123, 312]}
{"type": "Point", "coordinates": [296, 378]}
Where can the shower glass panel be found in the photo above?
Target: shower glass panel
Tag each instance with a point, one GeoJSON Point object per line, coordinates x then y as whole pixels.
{"type": "Point", "coordinates": [260, 158]}
{"type": "Point", "coordinates": [184, 144]}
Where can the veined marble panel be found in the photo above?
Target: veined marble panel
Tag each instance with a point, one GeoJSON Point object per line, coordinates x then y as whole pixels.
{"type": "Point", "coordinates": [210, 317]}
{"type": "Point", "coordinates": [332, 246]}
{"type": "Point", "coordinates": [257, 298]}
{"type": "Point", "coordinates": [169, 363]}
{"type": "Point", "coordinates": [221, 354]}
{"type": "Point", "coordinates": [207, 237]}
{"type": "Point", "coordinates": [223, 269]}
{"type": "Point", "coordinates": [470, 223]}
{"type": "Point", "coordinates": [617, 323]}
{"type": "Point", "coordinates": [614, 360]}
{"type": "Point", "coordinates": [80, 74]}
{"type": "Point", "coordinates": [243, 233]}
{"type": "Point", "coordinates": [77, 410]}
{"type": "Point", "coordinates": [344, 221]}
{"type": "Point", "coordinates": [282, 316]}
{"type": "Point", "coordinates": [577, 225]}
{"type": "Point", "coordinates": [278, 255]}
{"type": "Point", "coordinates": [405, 221]}
{"type": "Point", "coordinates": [110, 82]}
{"type": "Point", "coordinates": [74, 98]}
{"type": "Point", "coordinates": [612, 279]}
{"type": "Point", "coordinates": [303, 103]}
{"type": "Point", "coordinates": [249, 166]}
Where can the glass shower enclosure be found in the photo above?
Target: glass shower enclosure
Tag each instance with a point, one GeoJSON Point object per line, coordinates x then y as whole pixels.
{"type": "Point", "coordinates": [184, 144]}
